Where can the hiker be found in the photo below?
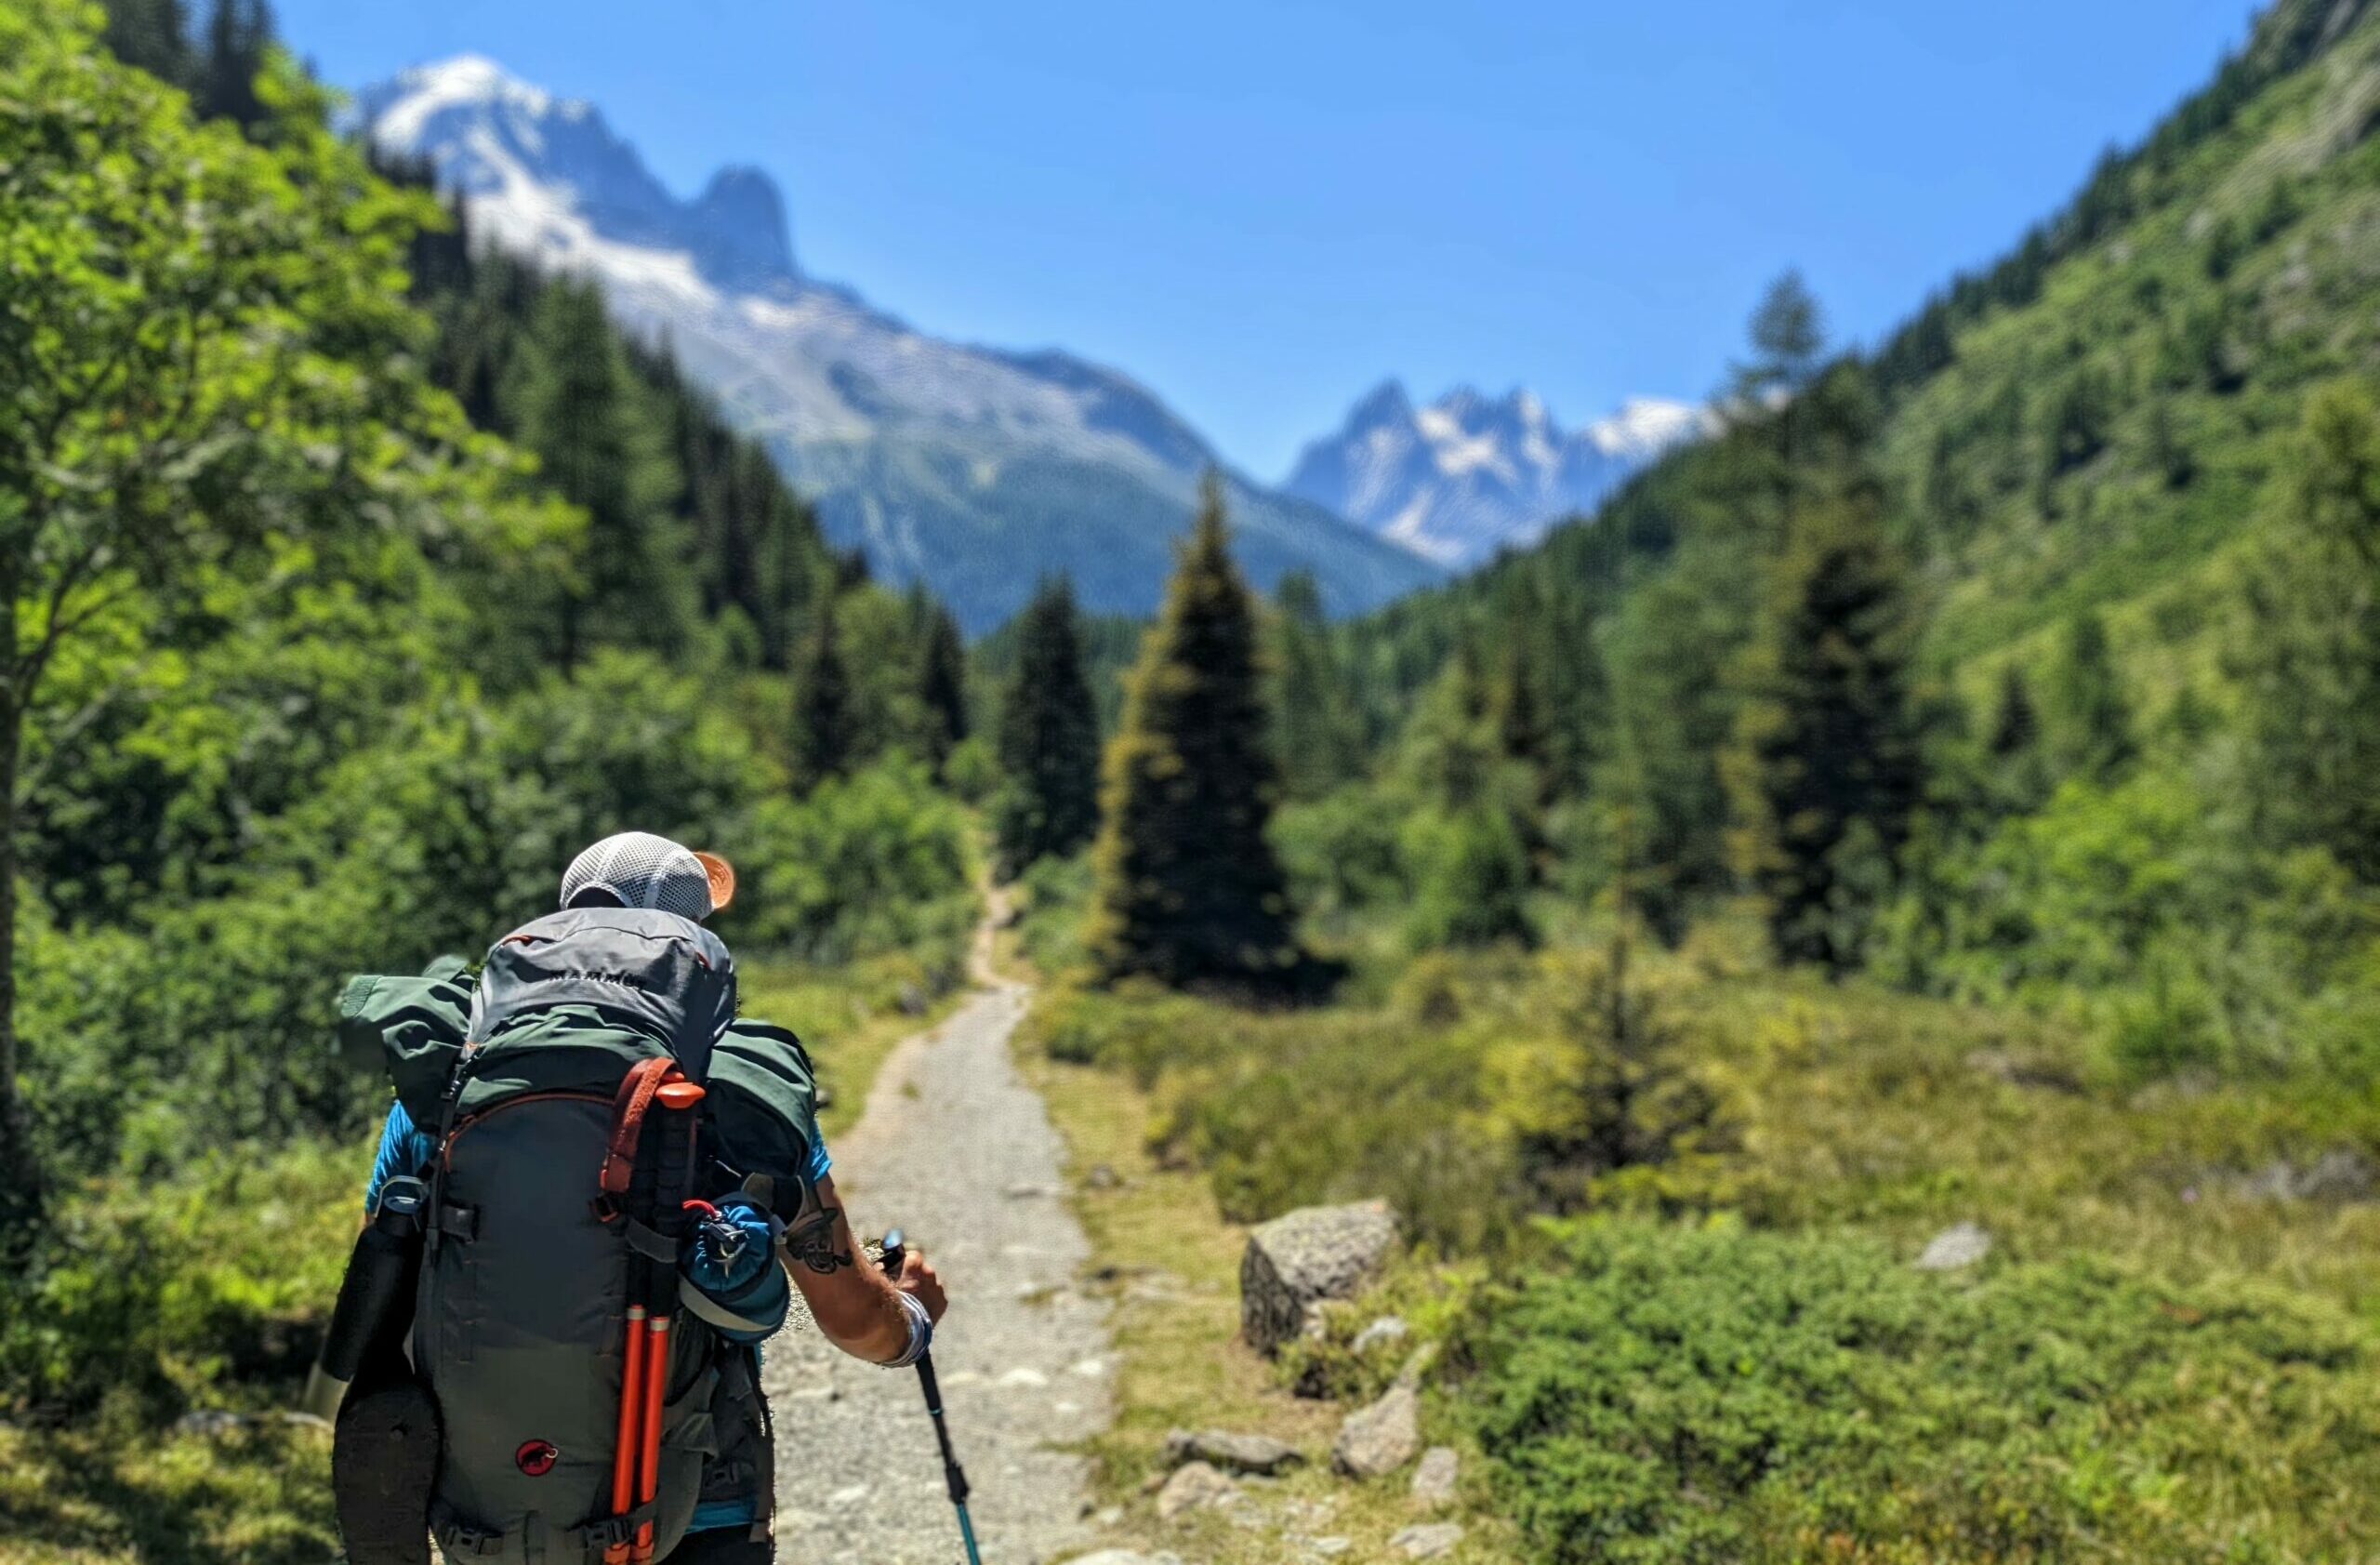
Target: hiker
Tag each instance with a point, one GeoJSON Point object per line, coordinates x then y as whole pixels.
{"type": "Point", "coordinates": [669, 1184]}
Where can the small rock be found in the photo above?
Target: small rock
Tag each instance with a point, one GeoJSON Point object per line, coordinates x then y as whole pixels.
{"type": "Point", "coordinates": [913, 1000]}
{"type": "Point", "coordinates": [1295, 1261]}
{"type": "Point", "coordinates": [1196, 1487]}
{"type": "Point", "coordinates": [1434, 1480]}
{"type": "Point", "coordinates": [209, 1421]}
{"type": "Point", "coordinates": [1382, 1437]}
{"type": "Point", "coordinates": [1379, 1333]}
{"type": "Point", "coordinates": [1956, 1248]}
{"type": "Point", "coordinates": [1427, 1541]}
{"type": "Point", "coordinates": [1102, 1176]}
{"type": "Point", "coordinates": [1409, 1376]}
{"type": "Point", "coordinates": [850, 1494]}
{"type": "Point", "coordinates": [1029, 1191]}
{"type": "Point", "coordinates": [1232, 1453]}
{"type": "Point", "coordinates": [2341, 1174]}
{"type": "Point", "coordinates": [1021, 1376]}
{"type": "Point", "coordinates": [1124, 1557]}
{"type": "Point", "coordinates": [1111, 1516]}
{"type": "Point", "coordinates": [1327, 1547]}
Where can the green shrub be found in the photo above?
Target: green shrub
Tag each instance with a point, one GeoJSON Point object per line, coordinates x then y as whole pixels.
{"type": "Point", "coordinates": [1667, 1395]}
{"type": "Point", "coordinates": [862, 864]}
{"type": "Point", "coordinates": [1469, 872]}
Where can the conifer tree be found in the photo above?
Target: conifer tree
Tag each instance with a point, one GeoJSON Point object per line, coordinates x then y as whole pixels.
{"type": "Point", "coordinates": [942, 687]}
{"type": "Point", "coordinates": [2019, 777]}
{"type": "Point", "coordinates": [1315, 718]}
{"type": "Point", "coordinates": [153, 35]}
{"type": "Point", "coordinates": [238, 35]}
{"type": "Point", "coordinates": [578, 411]}
{"type": "Point", "coordinates": [1188, 885]}
{"type": "Point", "coordinates": [1828, 767]}
{"type": "Point", "coordinates": [2093, 719]}
{"type": "Point", "coordinates": [825, 722]}
{"type": "Point", "coordinates": [2311, 661]}
{"type": "Point", "coordinates": [1049, 740]}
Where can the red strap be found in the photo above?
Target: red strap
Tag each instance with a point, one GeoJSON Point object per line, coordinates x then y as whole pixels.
{"type": "Point", "coordinates": [636, 1089]}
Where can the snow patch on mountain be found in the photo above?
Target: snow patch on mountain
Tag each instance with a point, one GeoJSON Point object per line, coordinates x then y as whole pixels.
{"type": "Point", "coordinates": [1468, 474]}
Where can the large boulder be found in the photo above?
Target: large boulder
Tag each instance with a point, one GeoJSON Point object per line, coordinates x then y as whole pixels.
{"type": "Point", "coordinates": [1379, 1440]}
{"type": "Point", "coordinates": [1295, 1261]}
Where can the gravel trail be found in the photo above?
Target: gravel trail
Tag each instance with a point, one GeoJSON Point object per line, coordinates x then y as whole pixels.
{"type": "Point", "coordinates": [956, 1149]}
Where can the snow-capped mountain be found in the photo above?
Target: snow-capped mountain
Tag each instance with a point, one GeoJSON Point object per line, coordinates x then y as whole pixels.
{"type": "Point", "coordinates": [976, 469]}
{"type": "Point", "coordinates": [1467, 475]}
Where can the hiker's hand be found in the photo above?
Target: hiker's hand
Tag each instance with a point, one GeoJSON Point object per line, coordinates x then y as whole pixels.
{"type": "Point", "coordinates": [918, 1279]}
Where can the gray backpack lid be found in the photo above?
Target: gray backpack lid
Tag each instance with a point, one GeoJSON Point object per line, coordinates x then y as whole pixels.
{"type": "Point", "coordinates": [655, 970]}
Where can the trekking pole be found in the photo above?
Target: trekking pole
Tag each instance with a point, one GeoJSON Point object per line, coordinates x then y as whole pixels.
{"type": "Point", "coordinates": [952, 1474]}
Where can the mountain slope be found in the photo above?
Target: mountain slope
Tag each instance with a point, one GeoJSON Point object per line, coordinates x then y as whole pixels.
{"type": "Point", "coordinates": [1468, 475]}
{"type": "Point", "coordinates": [975, 469]}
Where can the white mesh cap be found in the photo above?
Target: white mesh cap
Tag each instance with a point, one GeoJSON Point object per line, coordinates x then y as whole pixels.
{"type": "Point", "coordinates": [643, 870]}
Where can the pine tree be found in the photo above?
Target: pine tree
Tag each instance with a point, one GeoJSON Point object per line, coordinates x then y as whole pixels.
{"type": "Point", "coordinates": [1316, 718]}
{"type": "Point", "coordinates": [2310, 664]}
{"type": "Point", "coordinates": [942, 687]}
{"type": "Point", "coordinates": [2092, 720]}
{"type": "Point", "coordinates": [1788, 337]}
{"type": "Point", "coordinates": [1188, 885]}
{"type": "Point", "coordinates": [1049, 740]}
{"type": "Point", "coordinates": [153, 35]}
{"type": "Point", "coordinates": [825, 722]}
{"type": "Point", "coordinates": [581, 412]}
{"type": "Point", "coordinates": [1828, 771]}
{"type": "Point", "coordinates": [2016, 725]}
{"type": "Point", "coordinates": [239, 35]}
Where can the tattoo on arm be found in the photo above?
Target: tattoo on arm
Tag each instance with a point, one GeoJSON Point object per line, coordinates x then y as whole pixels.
{"type": "Point", "coordinates": [814, 1244]}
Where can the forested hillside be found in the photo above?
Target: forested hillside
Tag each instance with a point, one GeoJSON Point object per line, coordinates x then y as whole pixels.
{"type": "Point", "coordinates": [356, 581]}
{"type": "Point", "coordinates": [2082, 523]}
{"type": "Point", "coordinates": [1859, 958]}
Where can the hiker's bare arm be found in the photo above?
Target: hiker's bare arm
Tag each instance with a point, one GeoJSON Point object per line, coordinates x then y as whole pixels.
{"type": "Point", "coordinates": [852, 1302]}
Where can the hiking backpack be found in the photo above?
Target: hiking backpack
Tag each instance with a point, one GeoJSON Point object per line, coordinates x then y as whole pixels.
{"type": "Point", "coordinates": [554, 1215]}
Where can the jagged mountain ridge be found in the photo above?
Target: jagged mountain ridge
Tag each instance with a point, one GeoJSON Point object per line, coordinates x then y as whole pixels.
{"type": "Point", "coordinates": [975, 469]}
{"type": "Point", "coordinates": [1466, 475]}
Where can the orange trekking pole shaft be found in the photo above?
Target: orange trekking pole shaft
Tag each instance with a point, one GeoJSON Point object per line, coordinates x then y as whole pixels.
{"type": "Point", "coordinates": [626, 1442]}
{"type": "Point", "coordinates": [674, 1181]}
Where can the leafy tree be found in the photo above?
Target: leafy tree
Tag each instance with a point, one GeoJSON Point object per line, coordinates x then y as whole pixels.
{"type": "Point", "coordinates": [1827, 742]}
{"type": "Point", "coordinates": [1188, 885]}
{"type": "Point", "coordinates": [2093, 719]}
{"type": "Point", "coordinates": [1049, 740]}
{"type": "Point", "coordinates": [1470, 874]}
{"type": "Point", "coordinates": [825, 732]}
{"type": "Point", "coordinates": [172, 391]}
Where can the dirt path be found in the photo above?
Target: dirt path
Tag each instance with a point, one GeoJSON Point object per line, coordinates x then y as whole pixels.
{"type": "Point", "coordinates": [958, 1150]}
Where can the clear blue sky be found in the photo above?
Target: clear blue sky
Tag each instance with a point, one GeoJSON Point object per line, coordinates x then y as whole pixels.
{"type": "Point", "coordinates": [1261, 207]}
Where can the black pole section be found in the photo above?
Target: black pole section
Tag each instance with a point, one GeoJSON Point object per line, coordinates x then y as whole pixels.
{"type": "Point", "coordinates": [953, 1474]}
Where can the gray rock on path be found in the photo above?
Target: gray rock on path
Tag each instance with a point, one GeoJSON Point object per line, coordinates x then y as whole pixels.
{"type": "Point", "coordinates": [1296, 1261]}
{"type": "Point", "coordinates": [1381, 1439]}
{"type": "Point", "coordinates": [1261, 1454]}
{"type": "Point", "coordinates": [1195, 1486]}
{"type": "Point", "coordinates": [1427, 1541]}
{"type": "Point", "coordinates": [1955, 1248]}
{"type": "Point", "coordinates": [1124, 1557]}
{"type": "Point", "coordinates": [1434, 1480]}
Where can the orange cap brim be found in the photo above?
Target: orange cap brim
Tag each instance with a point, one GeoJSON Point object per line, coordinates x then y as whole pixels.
{"type": "Point", "coordinates": [723, 879]}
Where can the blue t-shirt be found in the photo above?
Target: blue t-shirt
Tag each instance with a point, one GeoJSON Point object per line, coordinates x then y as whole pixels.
{"type": "Point", "coordinates": [406, 1150]}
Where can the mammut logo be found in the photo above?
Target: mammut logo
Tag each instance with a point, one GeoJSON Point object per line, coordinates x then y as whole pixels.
{"type": "Point", "coordinates": [537, 1458]}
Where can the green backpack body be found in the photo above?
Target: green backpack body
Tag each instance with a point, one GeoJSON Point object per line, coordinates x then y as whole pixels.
{"type": "Point", "coordinates": [519, 1317]}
